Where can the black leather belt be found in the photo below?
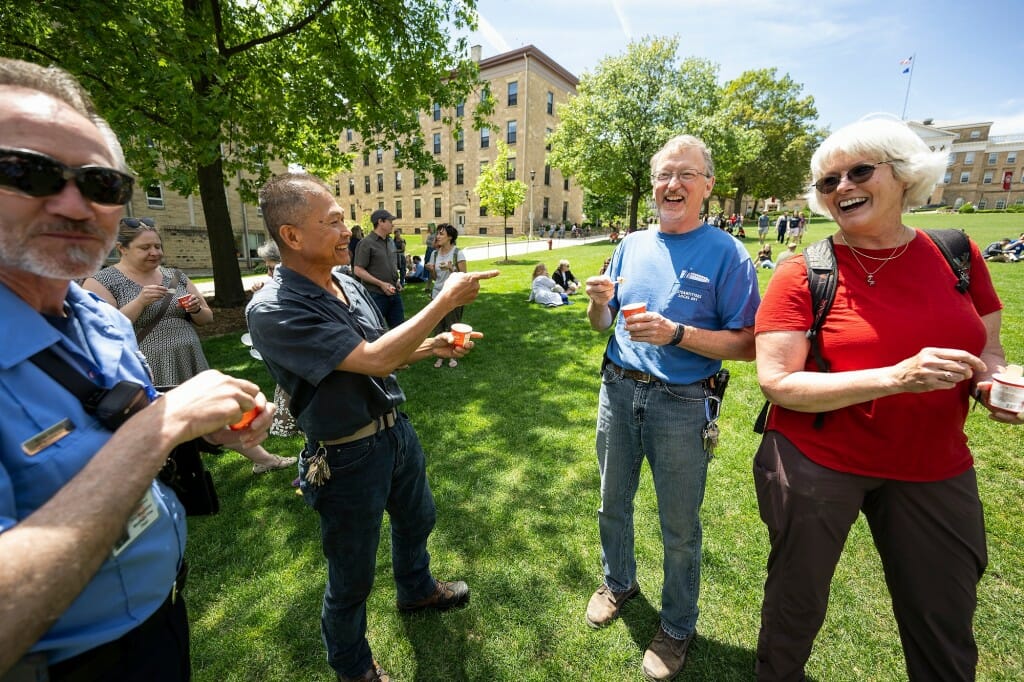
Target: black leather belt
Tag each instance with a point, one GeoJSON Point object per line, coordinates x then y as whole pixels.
{"type": "Point", "coordinates": [642, 377]}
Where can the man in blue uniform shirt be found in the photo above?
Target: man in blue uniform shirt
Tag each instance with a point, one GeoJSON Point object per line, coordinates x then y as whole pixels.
{"type": "Point", "coordinates": [699, 287]}
{"type": "Point", "coordinates": [91, 543]}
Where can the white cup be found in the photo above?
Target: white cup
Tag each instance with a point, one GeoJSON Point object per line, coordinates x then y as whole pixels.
{"type": "Point", "coordinates": [1007, 393]}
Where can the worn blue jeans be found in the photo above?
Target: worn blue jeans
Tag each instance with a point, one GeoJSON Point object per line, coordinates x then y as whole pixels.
{"type": "Point", "coordinates": [664, 423]}
{"type": "Point", "coordinates": [391, 307]}
{"type": "Point", "coordinates": [385, 471]}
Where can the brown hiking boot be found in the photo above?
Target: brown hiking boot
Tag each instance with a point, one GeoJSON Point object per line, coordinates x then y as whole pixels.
{"type": "Point", "coordinates": [446, 595]}
{"type": "Point", "coordinates": [605, 604]}
{"type": "Point", "coordinates": [374, 674]}
{"type": "Point", "coordinates": [665, 656]}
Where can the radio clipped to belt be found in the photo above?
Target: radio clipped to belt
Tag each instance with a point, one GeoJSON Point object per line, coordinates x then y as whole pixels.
{"type": "Point", "coordinates": [716, 386]}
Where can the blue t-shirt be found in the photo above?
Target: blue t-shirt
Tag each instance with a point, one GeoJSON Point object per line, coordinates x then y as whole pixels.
{"type": "Point", "coordinates": [303, 333]}
{"type": "Point", "coordinates": [703, 278]}
{"type": "Point", "coordinates": [130, 587]}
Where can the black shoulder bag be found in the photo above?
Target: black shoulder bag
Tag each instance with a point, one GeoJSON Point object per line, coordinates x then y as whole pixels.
{"type": "Point", "coordinates": [183, 471]}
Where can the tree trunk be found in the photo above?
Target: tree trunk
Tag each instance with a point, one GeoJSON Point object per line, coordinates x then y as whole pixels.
{"type": "Point", "coordinates": [634, 205]}
{"type": "Point", "coordinates": [227, 278]}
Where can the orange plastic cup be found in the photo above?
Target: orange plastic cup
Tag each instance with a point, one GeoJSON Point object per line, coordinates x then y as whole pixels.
{"type": "Point", "coordinates": [183, 301]}
{"type": "Point", "coordinates": [245, 420]}
{"type": "Point", "coordinates": [632, 309]}
{"type": "Point", "coordinates": [461, 333]}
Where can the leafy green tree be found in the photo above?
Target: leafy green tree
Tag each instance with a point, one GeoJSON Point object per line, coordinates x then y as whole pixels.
{"type": "Point", "coordinates": [602, 208]}
{"type": "Point", "coordinates": [774, 124]}
{"type": "Point", "coordinates": [205, 91]}
{"type": "Point", "coordinates": [498, 193]}
{"type": "Point", "coordinates": [626, 110]}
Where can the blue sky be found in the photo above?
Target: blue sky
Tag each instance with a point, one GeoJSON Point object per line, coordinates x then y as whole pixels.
{"type": "Point", "coordinates": [967, 56]}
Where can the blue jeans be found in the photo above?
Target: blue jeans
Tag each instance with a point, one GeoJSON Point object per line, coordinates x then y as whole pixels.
{"type": "Point", "coordinates": [391, 307]}
{"type": "Point", "coordinates": [385, 471]}
{"type": "Point", "coordinates": [664, 423]}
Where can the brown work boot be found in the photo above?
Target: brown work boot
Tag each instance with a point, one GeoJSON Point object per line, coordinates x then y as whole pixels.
{"type": "Point", "coordinates": [605, 604]}
{"type": "Point", "coordinates": [446, 595]}
{"type": "Point", "coordinates": [665, 656]}
{"type": "Point", "coordinates": [374, 674]}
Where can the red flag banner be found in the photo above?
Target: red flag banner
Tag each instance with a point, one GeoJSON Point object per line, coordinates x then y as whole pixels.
{"type": "Point", "coordinates": [1007, 180]}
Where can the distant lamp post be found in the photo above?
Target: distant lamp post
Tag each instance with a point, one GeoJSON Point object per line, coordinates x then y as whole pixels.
{"type": "Point", "coordinates": [533, 174]}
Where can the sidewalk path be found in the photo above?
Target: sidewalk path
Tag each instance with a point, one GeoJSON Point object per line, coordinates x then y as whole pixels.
{"type": "Point", "coordinates": [491, 251]}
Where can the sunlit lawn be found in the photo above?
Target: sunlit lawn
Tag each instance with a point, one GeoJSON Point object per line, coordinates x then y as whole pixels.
{"type": "Point", "coordinates": [509, 436]}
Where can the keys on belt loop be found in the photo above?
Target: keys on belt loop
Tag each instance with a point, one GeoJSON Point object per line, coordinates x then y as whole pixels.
{"type": "Point", "coordinates": [712, 408]}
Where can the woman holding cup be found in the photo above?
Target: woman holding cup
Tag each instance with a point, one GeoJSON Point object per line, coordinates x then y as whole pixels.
{"type": "Point", "coordinates": [446, 259]}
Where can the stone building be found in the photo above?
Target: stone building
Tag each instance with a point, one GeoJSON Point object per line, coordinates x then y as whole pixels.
{"type": "Point", "coordinates": [986, 170]}
{"type": "Point", "coordinates": [527, 86]}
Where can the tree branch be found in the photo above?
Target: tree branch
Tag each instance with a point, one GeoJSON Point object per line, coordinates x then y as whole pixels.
{"type": "Point", "coordinates": [270, 37]}
{"type": "Point", "coordinates": [218, 25]}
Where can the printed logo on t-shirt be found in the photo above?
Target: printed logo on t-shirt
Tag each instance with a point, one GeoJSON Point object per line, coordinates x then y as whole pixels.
{"type": "Point", "coordinates": [692, 285]}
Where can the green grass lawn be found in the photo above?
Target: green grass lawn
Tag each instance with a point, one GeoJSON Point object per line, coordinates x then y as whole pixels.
{"type": "Point", "coordinates": [509, 437]}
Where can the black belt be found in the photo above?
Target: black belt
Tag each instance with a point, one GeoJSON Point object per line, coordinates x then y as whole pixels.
{"type": "Point", "coordinates": [642, 377]}
{"type": "Point", "coordinates": [93, 661]}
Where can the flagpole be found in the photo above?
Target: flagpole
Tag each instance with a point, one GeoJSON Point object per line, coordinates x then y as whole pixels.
{"type": "Point", "coordinates": [913, 61]}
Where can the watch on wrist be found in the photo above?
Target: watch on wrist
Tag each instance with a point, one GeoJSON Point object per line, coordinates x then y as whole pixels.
{"type": "Point", "coordinates": [678, 336]}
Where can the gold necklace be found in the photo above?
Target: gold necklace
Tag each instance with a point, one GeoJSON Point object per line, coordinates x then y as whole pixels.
{"type": "Point", "coordinates": [897, 252]}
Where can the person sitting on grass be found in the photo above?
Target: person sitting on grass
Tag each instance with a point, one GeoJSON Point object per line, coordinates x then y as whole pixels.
{"type": "Point", "coordinates": [544, 290]}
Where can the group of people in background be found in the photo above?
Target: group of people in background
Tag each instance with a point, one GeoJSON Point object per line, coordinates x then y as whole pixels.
{"type": "Point", "coordinates": [872, 424]}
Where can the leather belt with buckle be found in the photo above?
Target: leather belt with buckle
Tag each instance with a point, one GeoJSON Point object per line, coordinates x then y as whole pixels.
{"type": "Point", "coordinates": [635, 375]}
{"type": "Point", "coordinates": [385, 421]}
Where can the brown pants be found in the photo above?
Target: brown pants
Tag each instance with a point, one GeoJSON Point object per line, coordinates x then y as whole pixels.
{"type": "Point", "coordinates": [931, 539]}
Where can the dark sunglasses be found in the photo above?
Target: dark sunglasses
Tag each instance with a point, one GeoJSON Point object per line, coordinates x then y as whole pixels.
{"type": "Point", "coordinates": [38, 175]}
{"type": "Point", "coordinates": [862, 172]}
{"type": "Point", "coordinates": [138, 222]}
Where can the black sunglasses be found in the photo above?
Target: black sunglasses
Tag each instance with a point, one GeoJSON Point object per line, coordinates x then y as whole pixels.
{"type": "Point", "coordinates": [862, 172]}
{"type": "Point", "coordinates": [138, 222]}
{"type": "Point", "coordinates": [39, 175]}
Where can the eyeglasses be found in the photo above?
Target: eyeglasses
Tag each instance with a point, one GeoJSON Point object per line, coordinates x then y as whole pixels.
{"type": "Point", "coordinates": [39, 175]}
{"type": "Point", "coordinates": [860, 173]}
{"type": "Point", "coordinates": [138, 222]}
{"type": "Point", "coordinates": [686, 175]}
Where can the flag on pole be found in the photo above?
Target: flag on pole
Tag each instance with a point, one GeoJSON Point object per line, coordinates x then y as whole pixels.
{"type": "Point", "coordinates": [905, 63]}
{"type": "Point", "coordinates": [1007, 180]}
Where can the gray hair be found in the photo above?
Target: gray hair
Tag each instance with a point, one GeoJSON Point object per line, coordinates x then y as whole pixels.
{"type": "Point", "coordinates": [283, 200]}
{"type": "Point", "coordinates": [679, 143]}
{"type": "Point", "coordinates": [879, 139]}
{"type": "Point", "coordinates": [269, 251]}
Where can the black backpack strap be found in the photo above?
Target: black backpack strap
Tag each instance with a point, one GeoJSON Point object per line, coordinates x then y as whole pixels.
{"type": "Point", "coordinates": [956, 249]}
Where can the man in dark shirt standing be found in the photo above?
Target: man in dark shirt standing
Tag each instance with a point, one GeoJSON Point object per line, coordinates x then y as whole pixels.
{"type": "Point", "coordinates": [325, 343]}
{"type": "Point", "coordinates": [374, 265]}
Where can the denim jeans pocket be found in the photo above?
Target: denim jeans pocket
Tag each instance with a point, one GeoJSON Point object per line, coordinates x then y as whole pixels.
{"type": "Point", "coordinates": [340, 458]}
{"type": "Point", "coordinates": [609, 375]}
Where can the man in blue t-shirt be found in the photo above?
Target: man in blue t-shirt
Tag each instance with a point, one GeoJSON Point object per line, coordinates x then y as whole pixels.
{"type": "Point", "coordinates": [657, 399]}
{"type": "Point", "coordinates": [326, 344]}
{"type": "Point", "coordinates": [91, 543]}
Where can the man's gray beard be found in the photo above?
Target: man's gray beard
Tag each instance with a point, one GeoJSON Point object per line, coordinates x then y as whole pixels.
{"type": "Point", "coordinates": [76, 262]}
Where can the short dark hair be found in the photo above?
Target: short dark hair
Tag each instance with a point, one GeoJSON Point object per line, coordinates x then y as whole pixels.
{"type": "Point", "coordinates": [452, 233]}
{"type": "Point", "coordinates": [283, 200]}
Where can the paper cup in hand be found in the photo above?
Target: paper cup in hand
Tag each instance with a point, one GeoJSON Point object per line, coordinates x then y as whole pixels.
{"type": "Point", "coordinates": [1007, 393]}
{"type": "Point", "coordinates": [183, 301]}
{"type": "Point", "coordinates": [461, 334]}
{"type": "Point", "coordinates": [633, 308]}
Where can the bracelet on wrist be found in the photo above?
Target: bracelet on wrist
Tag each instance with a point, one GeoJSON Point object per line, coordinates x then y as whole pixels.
{"type": "Point", "coordinates": [678, 335]}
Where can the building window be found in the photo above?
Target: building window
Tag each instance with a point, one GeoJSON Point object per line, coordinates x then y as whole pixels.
{"type": "Point", "coordinates": [551, 102]}
{"type": "Point", "coordinates": [947, 178]}
{"type": "Point", "coordinates": [975, 134]}
{"type": "Point", "coordinates": [987, 178]}
{"type": "Point", "coordinates": [565, 211]}
{"type": "Point", "coordinates": [965, 177]}
{"type": "Point", "coordinates": [437, 111]}
{"type": "Point", "coordinates": [485, 92]}
{"type": "Point", "coordinates": [398, 181]}
{"type": "Point", "coordinates": [337, 188]}
{"type": "Point", "coordinates": [396, 153]}
{"type": "Point", "coordinates": [437, 181]}
{"type": "Point", "coordinates": [460, 140]}
{"type": "Point", "coordinates": [969, 159]}
{"type": "Point", "coordinates": [510, 169]}
{"type": "Point", "coordinates": [154, 196]}
{"type": "Point", "coordinates": [380, 155]}
{"type": "Point", "coordinates": [352, 212]}
{"type": "Point", "coordinates": [951, 160]}
{"type": "Point", "coordinates": [437, 143]}
{"type": "Point", "coordinates": [511, 137]}
{"type": "Point", "coordinates": [416, 181]}
{"type": "Point", "coordinates": [547, 174]}
{"type": "Point", "coordinates": [513, 93]}
{"type": "Point", "coordinates": [351, 186]}
{"type": "Point", "coordinates": [437, 207]}
{"type": "Point", "coordinates": [1000, 204]}
{"type": "Point", "coordinates": [366, 157]}
{"type": "Point", "coordinates": [483, 211]}
{"type": "Point", "coordinates": [565, 184]}
{"type": "Point", "coordinates": [366, 184]}
{"type": "Point", "coordinates": [982, 204]}
{"type": "Point", "coordinates": [380, 205]}
{"type": "Point", "coordinates": [460, 109]}
{"type": "Point", "coordinates": [417, 208]}
{"type": "Point", "coordinates": [398, 208]}
{"type": "Point", "coordinates": [485, 138]}
{"type": "Point", "coordinates": [547, 139]}
{"type": "Point", "coordinates": [380, 182]}
{"type": "Point", "coordinates": [991, 159]}
{"type": "Point", "coordinates": [547, 209]}
{"type": "Point", "coordinates": [1011, 157]}
{"type": "Point", "coordinates": [460, 174]}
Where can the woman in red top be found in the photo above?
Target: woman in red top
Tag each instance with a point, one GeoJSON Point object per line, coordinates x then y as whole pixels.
{"type": "Point", "coordinates": [907, 351]}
